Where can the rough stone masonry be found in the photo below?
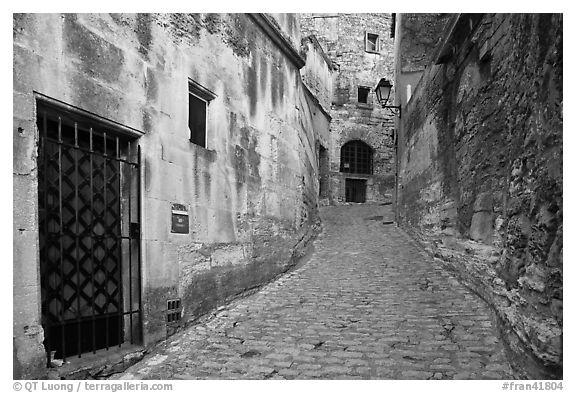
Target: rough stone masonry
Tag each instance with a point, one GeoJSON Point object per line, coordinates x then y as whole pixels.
{"type": "Point", "coordinates": [480, 167]}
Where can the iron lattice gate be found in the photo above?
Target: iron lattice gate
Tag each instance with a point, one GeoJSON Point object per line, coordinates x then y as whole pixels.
{"type": "Point", "coordinates": [89, 219]}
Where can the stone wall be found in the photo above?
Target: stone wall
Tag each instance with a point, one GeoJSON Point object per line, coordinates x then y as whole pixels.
{"type": "Point", "coordinates": [342, 38]}
{"type": "Point", "coordinates": [317, 77]}
{"type": "Point", "coordinates": [317, 74]}
{"type": "Point", "coordinates": [480, 173]}
{"type": "Point", "coordinates": [418, 37]}
{"type": "Point", "coordinates": [251, 193]}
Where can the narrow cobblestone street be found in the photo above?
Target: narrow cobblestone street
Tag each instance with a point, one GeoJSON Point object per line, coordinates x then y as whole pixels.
{"type": "Point", "coordinates": [367, 305]}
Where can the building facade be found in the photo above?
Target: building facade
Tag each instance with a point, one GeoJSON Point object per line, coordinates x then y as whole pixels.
{"type": "Point", "coordinates": [360, 161]}
{"type": "Point", "coordinates": [163, 164]}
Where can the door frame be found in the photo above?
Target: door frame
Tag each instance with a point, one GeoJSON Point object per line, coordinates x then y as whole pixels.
{"type": "Point", "coordinates": [131, 135]}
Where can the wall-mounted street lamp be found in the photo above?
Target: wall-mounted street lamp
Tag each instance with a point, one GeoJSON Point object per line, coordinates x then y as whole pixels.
{"type": "Point", "coordinates": [383, 89]}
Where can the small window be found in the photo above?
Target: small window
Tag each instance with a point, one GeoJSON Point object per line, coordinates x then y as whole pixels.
{"type": "Point", "coordinates": [363, 95]}
{"type": "Point", "coordinates": [197, 120]}
{"type": "Point", "coordinates": [198, 100]}
{"type": "Point", "coordinates": [372, 43]}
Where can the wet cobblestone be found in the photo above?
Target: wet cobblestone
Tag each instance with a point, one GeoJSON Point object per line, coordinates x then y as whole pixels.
{"type": "Point", "coordinates": [367, 304]}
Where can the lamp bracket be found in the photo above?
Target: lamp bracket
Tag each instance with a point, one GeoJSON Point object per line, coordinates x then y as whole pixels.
{"type": "Point", "coordinates": [396, 109]}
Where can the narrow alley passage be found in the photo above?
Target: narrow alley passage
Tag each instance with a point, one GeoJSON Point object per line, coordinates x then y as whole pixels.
{"type": "Point", "coordinates": [367, 305]}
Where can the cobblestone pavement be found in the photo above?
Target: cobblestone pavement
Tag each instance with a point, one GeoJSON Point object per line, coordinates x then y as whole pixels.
{"type": "Point", "coordinates": [367, 305]}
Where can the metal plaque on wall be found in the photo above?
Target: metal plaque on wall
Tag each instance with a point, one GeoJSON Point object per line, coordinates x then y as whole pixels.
{"type": "Point", "coordinates": [180, 219]}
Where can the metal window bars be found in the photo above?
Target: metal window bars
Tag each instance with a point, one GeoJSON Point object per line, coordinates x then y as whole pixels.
{"type": "Point", "coordinates": [356, 157]}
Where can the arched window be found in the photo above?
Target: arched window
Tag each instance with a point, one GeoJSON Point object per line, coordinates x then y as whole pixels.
{"type": "Point", "coordinates": [356, 157]}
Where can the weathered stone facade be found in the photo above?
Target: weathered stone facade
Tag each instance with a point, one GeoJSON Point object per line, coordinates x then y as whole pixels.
{"type": "Point", "coordinates": [480, 169]}
{"type": "Point", "coordinates": [317, 78]}
{"type": "Point", "coordinates": [251, 194]}
{"type": "Point", "coordinates": [420, 36]}
{"type": "Point", "coordinates": [343, 38]}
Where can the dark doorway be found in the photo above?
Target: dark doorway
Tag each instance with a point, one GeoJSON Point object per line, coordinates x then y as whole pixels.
{"type": "Point", "coordinates": [356, 190]}
{"type": "Point", "coordinates": [89, 220]}
{"type": "Point", "coordinates": [323, 166]}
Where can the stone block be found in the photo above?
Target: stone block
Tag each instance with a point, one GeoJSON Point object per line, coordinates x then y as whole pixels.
{"type": "Point", "coordinates": [25, 261]}
{"type": "Point", "coordinates": [481, 228]}
{"type": "Point", "coordinates": [161, 263]}
{"type": "Point", "coordinates": [29, 356]}
{"type": "Point", "coordinates": [166, 182]}
{"type": "Point", "coordinates": [221, 226]}
{"type": "Point", "coordinates": [23, 108]}
{"type": "Point", "coordinates": [98, 56]}
{"type": "Point", "coordinates": [416, 374]}
{"type": "Point", "coordinates": [484, 202]}
{"type": "Point", "coordinates": [229, 255]}
{"type": "Point", "coordinates": [158, 222]}
{"type": "Point", "coordinates": [556, 305]}
{"type": "Point", "coordinates": [26, 307]}
{"type": "Point", "coordinates": [535, 278]}
{"type": "Point", "coordinates": [199, 221]}
{"type": "Point", "coordinates": [25, 194]}
{"type": "Point", "coordinates": [24, 146]}
{"type": "Point", "coordinates": [25, 62]}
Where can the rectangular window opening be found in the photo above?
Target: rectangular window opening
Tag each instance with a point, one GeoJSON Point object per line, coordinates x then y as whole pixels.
{"type": "Point", "coordinates": [372, 43]}
{"type": "Point", "coordinates": [197, 120]}
{"type": "Point", "coordinates": [199, 98]}
{"type": "Point", "coordinates": [363, 95]}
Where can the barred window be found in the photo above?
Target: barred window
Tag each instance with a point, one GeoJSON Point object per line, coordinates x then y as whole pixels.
{"type": "Point", "coordinates": [356, 157]}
